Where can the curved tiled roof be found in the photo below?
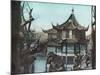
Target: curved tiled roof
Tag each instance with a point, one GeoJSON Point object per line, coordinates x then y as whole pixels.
{"type": "Point", "coordinates": [70, 23]}
{"type": "Point", "coordinates": [50, 31]}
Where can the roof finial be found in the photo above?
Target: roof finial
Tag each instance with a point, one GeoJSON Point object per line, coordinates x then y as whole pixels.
{"type": "Point", "coordinates": [72, 10]}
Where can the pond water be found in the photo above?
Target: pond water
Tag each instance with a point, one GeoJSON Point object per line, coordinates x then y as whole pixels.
{"type": "Point", "coordinates": [40, 64]}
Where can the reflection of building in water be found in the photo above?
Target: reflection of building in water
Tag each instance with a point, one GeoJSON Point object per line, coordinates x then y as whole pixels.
{"type": "Point", "coordinates": [67, 39]}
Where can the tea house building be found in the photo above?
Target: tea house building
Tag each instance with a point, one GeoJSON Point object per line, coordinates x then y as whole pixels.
{"type": "Point", "coordinates": [67, 39]}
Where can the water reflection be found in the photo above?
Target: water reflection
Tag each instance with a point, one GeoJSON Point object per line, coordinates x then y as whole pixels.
{"type": "Point", "coordinates": [40, 64]}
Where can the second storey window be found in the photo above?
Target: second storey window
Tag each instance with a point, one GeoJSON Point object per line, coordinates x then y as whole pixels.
{"type": "Point", "coordinates": [63, 34]}
{"type": "Point", "coordinates": [70, 34]}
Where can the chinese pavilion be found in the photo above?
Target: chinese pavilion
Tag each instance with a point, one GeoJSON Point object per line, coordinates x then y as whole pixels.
{"type": "Point", "coordinates": [67, 39]}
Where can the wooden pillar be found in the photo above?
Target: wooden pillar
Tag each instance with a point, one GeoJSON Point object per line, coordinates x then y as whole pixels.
{"type": "Point", "coordinates": [74, 48]}
{"type": "Point", "coordinates": [56, 49]}
{"type": "Point", "coordinates": [61, 48]}
{"type": "Point", "coordinates": [86, 49]}
{"type": "Point", "coordinates": [79, 48]}
{"type": "Point", "coordinates": [66, 48]}
{"type": "Point", "coordinates": [66, 55]}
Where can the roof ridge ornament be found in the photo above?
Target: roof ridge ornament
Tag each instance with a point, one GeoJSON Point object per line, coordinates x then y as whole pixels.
{"type": "Point", "coordinates": [72, 10]}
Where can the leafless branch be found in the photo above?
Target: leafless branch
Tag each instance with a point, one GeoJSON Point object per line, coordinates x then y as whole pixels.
{"type": "Point", "coordinates": [23, 12]}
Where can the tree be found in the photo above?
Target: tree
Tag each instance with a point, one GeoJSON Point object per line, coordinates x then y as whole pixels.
{"type": "Point", "coordinates": [15, 29]}
{"type": "Point", "coordinates": [21, 34]}
{"type": "Point", "coordinates": [93, 37]}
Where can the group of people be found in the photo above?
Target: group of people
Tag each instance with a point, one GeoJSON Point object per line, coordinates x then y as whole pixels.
{"type": "Point", "coordinates": [56, 63]}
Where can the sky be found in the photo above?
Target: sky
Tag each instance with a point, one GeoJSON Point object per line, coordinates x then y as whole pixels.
{"type": "Point", "coordinates": [47, 13]}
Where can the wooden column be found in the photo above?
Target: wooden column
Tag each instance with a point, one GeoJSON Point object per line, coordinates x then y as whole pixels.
{"type": "Point", "coordinates": [74, 48]}
{"type": "Point", "coordinates": [86, 48]}
{"type": "Point", "coordinates": [66, 48]}
{"type": "Point", "coordinates": [56, 49]}
{"type": "Point", "coordinates": [79, 48]}
{"type": "Point", "coordinates": [61, 48]}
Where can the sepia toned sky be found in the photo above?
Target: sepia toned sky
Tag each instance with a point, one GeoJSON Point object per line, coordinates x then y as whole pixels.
{"type": "Point", "coordinates": [47, 13]}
